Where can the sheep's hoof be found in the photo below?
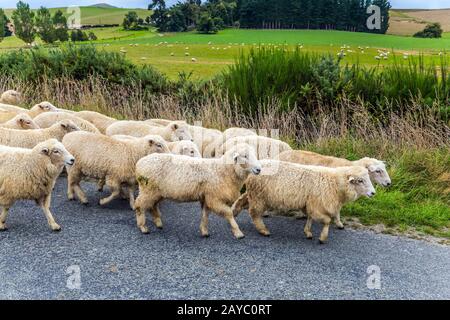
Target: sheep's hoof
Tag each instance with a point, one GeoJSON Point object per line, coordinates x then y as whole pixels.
{"type": "Point", "coordinates": [86, 204]}
{"type": "Point", "coordinates": [56, 228]}
{"type": "Point", "coordinates": [265, 233]}
{"type": "Point", "coordinates": [205, 235]}
{"type": "Point", "coordinates": [144, 230]}
{"type": "Point", "coordinates": [240, 236]}
{"type": "Point", "coordinates": [340, 226]}
{"type": "Point", "coordinates": [322, 241]}
{"type": "Point", "coordinates": [309, 236]}
{"type": "Point", "coordinates": [2, 229]}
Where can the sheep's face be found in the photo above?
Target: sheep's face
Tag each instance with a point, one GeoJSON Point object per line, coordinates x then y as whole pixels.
{"type": "Point", "coordinates": [187, 148]}
{"type": "Point", "coordinates": [45, 106]}
{"type": "Point", "coordinates": [11, 97]}
{"type": "Point", "coordinates": [378, 174]}
{"type": "Point", "coordinates": [180, 131]}
{"type": "Point", "coordinates": [245, 157]}
{"type": "Point", "coordinates": [359, 181]}
{"type": "Point", "coordinates": [58, 154]}
{"type": "Point", "coordinates": [69, 126]}
{"type": "Point", "coordinates": [25, 122]}
{"type": "Point", "coordinates": [156, 144]}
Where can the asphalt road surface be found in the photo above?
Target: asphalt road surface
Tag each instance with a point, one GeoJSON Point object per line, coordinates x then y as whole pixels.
{"type": "Point", "coordinates": [116, 261]}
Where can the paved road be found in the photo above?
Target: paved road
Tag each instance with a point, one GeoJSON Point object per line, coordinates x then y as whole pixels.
{"type": "Point", "coordinates": [118, 262]}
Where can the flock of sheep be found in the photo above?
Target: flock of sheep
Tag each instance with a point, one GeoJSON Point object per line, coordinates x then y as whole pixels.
{"type": "Point", "coordinates": [172, 160]}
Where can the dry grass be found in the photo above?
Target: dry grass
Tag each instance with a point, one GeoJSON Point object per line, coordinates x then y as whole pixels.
{"type": "Point", "coordinates": [408, 22]}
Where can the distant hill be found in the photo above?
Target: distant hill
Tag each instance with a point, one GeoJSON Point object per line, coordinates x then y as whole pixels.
{"type": "Point", "coordinates": [102, 5]}
{"type": "Point", "coordinates": [409, 21]}
{"type": "Point", "coordinates": [98, 14]}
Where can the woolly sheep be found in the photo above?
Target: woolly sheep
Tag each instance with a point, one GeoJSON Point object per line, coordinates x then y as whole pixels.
{"type": "Point", "coordinates": [30, 138]}
{"type": "Point", "coordinates": [216, 183]}
{"type": "Point", "coordinates": [185, 148]}
{"type": "Point", "coordinates": [100, 121]}
{"type": "Point", "coordinates": [30, 174]}
{"type": "Point", "coordinates": [266, 148]}
{"type": "Point", "coordinates": [37, 109]}
{"type": "Point", "coordinates": [47, 119]}
{"type": "Point", "coordinates": [108, 159]}
{"type": "Point", "coordinates": [11, 97]}
{"type": "Point", "coordinates": [319, 191]}
{"type": "Point", "coordinates": [377, 169]}
{"type": "Point", "coordinates": [215, 146]}
{"type": "Point", "coordinates": [175, 131]}
{"type": "Point", "coordinates": [21, 122]}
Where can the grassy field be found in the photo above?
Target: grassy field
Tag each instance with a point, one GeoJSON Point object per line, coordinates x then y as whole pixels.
{"type": "Point", "coordinates": [408, 22]}
{"type": "Point", "coordinates": [96, 15]}
{"type": "Point", "coordinates": [173, 53]}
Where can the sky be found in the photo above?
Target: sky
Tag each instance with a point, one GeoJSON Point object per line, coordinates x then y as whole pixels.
{"type": "Point", "coordinates": [399, 4]}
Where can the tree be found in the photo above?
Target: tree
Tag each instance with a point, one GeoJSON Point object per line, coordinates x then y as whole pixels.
{"type": "Point", "coordinates": [61, 28]}
{"type": "Point", "coordinates": [4, 31]}
{"type": "Point", "coordinates": [23, 19]}
{"type": "Point", "coordinates": [44, 25]}
{"type": "Point", "coordinates": [432, 30]}
{"type": "Point", "coordinates": [206, 24]}
{"type": "Point", "coordinates": [131, 21]}
{"type": "Point", "coordinates": [92, 36]}
{"type": "Point", "coordinates": [78, 35]}
{"type": "Point", "coordinates": [385, 6]}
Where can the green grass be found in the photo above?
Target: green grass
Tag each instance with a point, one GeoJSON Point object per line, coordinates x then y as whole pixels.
{"type": "Point", "coordinates": [95, 15]}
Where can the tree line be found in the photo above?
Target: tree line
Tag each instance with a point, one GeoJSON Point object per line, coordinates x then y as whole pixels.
{"type": "Point", "coordinates": [29, 24]}
{"type": "Point", "coordinates": [212, 15]}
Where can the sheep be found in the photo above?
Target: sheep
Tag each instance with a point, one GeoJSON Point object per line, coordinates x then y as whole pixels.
{"type": "Point", "coordinates": [97, 119]}
{"type": "Point", "coordinates": [266, 148]}
{"type": "Point", "coordinates": [30, 174]}
{"type": "Point", "coordinates": [30, 138]}
{"type": "Point", "coordinates": [321, 192]}
{"type": "Point", "coordinates": [21, 122]}
{"type": "Point", "coordinates": [37, 109]}
{"type": "Point", "coordinates": [11, 97]}
{"type": "Point", "coordinates": [216, 183]}
{"type": "Point", "coordinates": [204, 137]}
{"type": "Point", "coordinates": [47, 119]}
{"type": "Point", "coordinates": [377, 169]}
{"type": "Point", "coordinates": [175, 131]}
{"type": "Point", "coordinates": [214, 146]}
{"type": "Point", "coordinates": [108, 159]}
{"type": "Point", "coordinates": [185, 148]}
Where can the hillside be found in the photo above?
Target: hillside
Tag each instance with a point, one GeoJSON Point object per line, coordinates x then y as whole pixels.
{"type": "Point", "coordinates": [408, 21]}
{"type": "Point", "coordinates": [98, 14]}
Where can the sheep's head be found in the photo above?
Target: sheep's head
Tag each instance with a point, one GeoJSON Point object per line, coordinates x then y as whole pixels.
{"type": "Point", "coordinates": [44, 106]}
{"type": "Point", "coordinates": [187, 148]}
{"type": "Point", "coordinates": [179, 131]}
{"type": "Point", "coordinates": [244, 157]}
{"type": "Point", "coordinates": [359, 183]}
{"type": "Point", "coordinates": [377, 172]}
{"type": "Point", "coordinates": [156, 144]}
{"type": "Point", "coordinates": [11, 97]}
{"type": "Point", "coordinates": [55, 150]}
{"type": "Point", "coordinates": [24, 121]}
{"type": "Point", "coordinates": [68, 126]}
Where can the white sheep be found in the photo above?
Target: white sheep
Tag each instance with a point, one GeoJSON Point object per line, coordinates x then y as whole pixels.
{"type": "Point", "coordinates": [30, 138]}
{"type": "Point", "coordinates": [11, 97]}
{"type": "Point", "coordinates": [266, 148]}
{"type": "Point", "coordinates": [30, 174]}
{"type": "Point", "coordinates": [185, 148]}
{"type": "Point", "coordinates": [175, 131]}
{"type": "Point", "coordinates": [377, 169]}
{"type": "Point", "coordinates": [47, 119]}
{"type": "Point", "coordinates": [37, 109]}
{"type": "Point", "coordinates": [100, 121]}
{"type": "Point", "coordinates": [216, 183]}
{"type": "Point", "coordinates": [218, 140]}
{"type": "Point", "coordinates": [21, 122]}
{"type": "Point", "coordinates": [108, 159]}
{"type": "Point", "coordinates": [321, 192]}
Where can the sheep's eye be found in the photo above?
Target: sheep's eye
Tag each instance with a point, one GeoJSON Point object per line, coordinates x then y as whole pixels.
{"type": "Point", "coordinates": [55, 151]}
{"type": "Point", "coordinates": [361, 181]}
{"type": "Point", "coordinates": [378, 171]}
{"type": "Point", "coordinates": [159, 145]}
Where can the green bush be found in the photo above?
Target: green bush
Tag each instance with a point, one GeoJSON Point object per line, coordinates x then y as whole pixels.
{"type": "Point", "coordinates": [78, 63]}
{"type": "Point", "coordinates": [432, 30]}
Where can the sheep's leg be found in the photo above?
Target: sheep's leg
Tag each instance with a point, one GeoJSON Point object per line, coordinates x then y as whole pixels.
{"type": "Point", "coordinates": [226, 212]}
{"type": "Point", "coordinates": [115, 192]}
{"type": "Point", "coordinates": [256, 214]}
{"type": "Point", "coordinates": [45, 206]}
{"type": "Point", "coordinates": [130, 191]}
{"type": "Point", "coordinates": [307, 229]}
{"type": "Point", "coordinates": [337, 221]}
{"type": "Point", "coordinates": [142, 203]}
{"type": "Point", "coordinates": [156, 216]}
{"type": "Point", "coordinates": [205, 219]}
{"type": "Point", "coordinates": [3, 216]}
{"type": "Point", "coordinates": [100, 185]}
{"type": "Point", "coordinates": [73, 185]}
{"type": "Point", "coordinates": [326, 226]}
{"type": "Point", "coordinates": [240, 204]}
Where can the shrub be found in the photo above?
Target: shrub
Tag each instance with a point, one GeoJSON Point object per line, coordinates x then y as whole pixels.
{"type": "Point", "coordinates": [432, 30]}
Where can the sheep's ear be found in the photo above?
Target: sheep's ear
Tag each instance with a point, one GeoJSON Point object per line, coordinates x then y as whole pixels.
{"type": "Point", "coordinates": [45, 151]}
{"type": "Point", "coordinates": [352, 180]}
{"type": "Point", "coordinates": [151, 142]}
{"type": "Point", "coordinates": [175, 127]}
{"type": "Point", "coordinates": [21, 120]}
{"type": "Point", "coordinates": [235, 157]}
{"type": "Point", "coordinates": [372, 168]}
{"type": "Point", "coordinates": [41, 106]}
{"type": "Point", "coordinates": [64, 125]}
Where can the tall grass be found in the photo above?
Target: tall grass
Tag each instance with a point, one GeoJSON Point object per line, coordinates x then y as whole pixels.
{"type": "Point", "coordinates": [299, 78]}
